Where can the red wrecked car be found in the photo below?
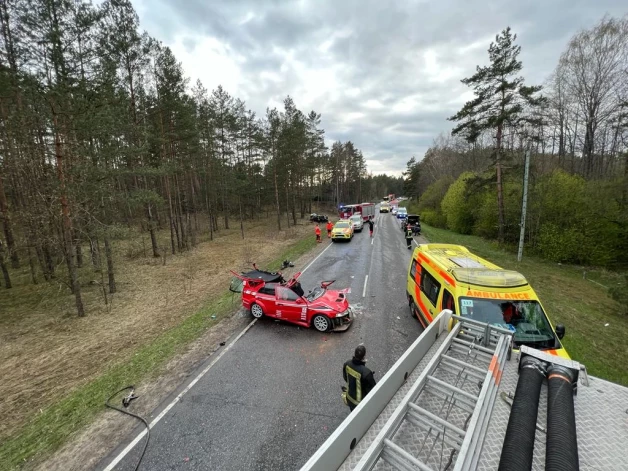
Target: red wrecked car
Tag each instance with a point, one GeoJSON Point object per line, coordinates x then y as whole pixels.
{"type": "Point", "coordinates": [269, 294]}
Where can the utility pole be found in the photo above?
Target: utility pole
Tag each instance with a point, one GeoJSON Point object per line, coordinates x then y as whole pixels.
{"type": "Point", "coordinates": [524, 205]}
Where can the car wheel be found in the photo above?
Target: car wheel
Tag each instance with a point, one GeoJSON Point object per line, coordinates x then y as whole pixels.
{"type": "Point", "coordinates": [256, 310]}
{"type": "Point", "coordinates": [321, 323]}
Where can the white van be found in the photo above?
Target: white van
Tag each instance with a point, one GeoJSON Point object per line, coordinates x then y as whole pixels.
{"type": "Point", "coordinates": [357, 222]}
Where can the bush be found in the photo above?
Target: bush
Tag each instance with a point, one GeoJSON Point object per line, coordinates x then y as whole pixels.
{"type": "Point", "coordinates": [457, 206]}
{"type": "Point", "coordinates": [434, 218]}
{"type": "Point", "coordinates": [434, 194]}
{"type": "Point", "coordinates": [563, 245]}
{"type": "Point", "coordinates": [486, 219]}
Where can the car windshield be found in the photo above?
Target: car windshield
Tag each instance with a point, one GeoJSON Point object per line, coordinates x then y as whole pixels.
{"type": "Point", "coordinates": [356, 218]}
{"type": "Point", "coordinates": [525, 318]}
{"type": "Point", "coordinates": [342, 225]}
{"type": "Point", "coordinates": [315, 294]}
{"type": "Point", "coordinates": [402, 210]}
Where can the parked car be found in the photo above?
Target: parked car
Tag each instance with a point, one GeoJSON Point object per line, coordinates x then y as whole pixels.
{"type": "Point", "coordinates": [268, 294]}
{"type": "Point", "coordinates": [414, 221]}
{"type": "Point", "coordinates": [318, 218]}
{"type": "Point", "coordinates": [343, 230]}
{"type": "Point", "coordinates": [394, 210]}
{"type": "Point", "coordinates": [402, 213]}
{"type": "Point", "coordinates": [357, 222]}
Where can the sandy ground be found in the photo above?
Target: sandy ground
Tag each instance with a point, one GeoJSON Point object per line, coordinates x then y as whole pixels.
{"type": "Point", "coordinates": [47, 351]}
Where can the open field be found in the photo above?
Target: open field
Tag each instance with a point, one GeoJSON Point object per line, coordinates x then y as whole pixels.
{"type": "Point", "coordinates": [60, 367]}
{"type": "Point", "coordinates": [596, 332]}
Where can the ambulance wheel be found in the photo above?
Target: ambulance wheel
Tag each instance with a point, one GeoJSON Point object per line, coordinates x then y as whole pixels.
{"type": "Point", "coordinates": [256, 310]}
{"type": "Point", "coordinates": [321, 323]}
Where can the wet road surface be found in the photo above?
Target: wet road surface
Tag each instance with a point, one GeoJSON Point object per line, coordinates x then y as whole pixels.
{"type": "Point", "coordinates": [274, 397]}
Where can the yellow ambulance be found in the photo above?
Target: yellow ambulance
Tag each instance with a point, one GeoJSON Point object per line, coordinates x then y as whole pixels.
{"type": "Point", "coordinates": [446, 276]}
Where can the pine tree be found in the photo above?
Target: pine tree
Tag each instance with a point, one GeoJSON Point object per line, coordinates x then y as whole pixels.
{"type": "Point", "coordinates": [501, 101]}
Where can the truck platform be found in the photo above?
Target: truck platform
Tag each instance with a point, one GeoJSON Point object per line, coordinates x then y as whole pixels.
{"type": "Point", "coordinates": [445, 405]}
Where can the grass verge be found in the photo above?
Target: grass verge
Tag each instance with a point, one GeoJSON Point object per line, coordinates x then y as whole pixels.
{"type": "Point", "coordinates": [53, 426]}
{"type": "Point", "coordinates": [596, 332]}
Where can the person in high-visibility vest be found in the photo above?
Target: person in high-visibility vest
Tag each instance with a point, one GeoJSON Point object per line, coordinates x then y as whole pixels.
{"type": "Point", "coordinates": [360, 380]}
{"type": "Point", "coordinates": [330, 226]}
{"type": "Point", "coordinates": [409, 236]}
{"type": "Point", "coordinates": [317, 231]}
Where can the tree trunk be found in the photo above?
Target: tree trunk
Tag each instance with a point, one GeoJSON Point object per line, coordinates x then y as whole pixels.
{"type": "Point", "coordinates": [209, 215]}
{"type": "Point", "coordinates": [31, 263]}
{"type": "Point", "coordinates": [3, 268]}
{"type": "Point", "coordinates": [500, 195]}
{"type": "Point", "coordinates": [8, 231]}
{"type": "Point", "coordinates": [179, 212]}
{"type": "Point", "coordinates": [151, 230]}
{"type": "Point", "coordinates": [79, 251]}
{"type": "Point", "coordinates": [110, 271]}
{"type": "Point", "coordinates": [288, 205]}
{"type": "Point", "coordinates": [171, 219]}
{"type": "Point", "coordinates": [95, 252]}
{"type": "Point", "coordinates": [241, 219]}
{"type": "Point", "coordinates": [67, 221]}
{"type": "Point", "coordinates": [277, 197]}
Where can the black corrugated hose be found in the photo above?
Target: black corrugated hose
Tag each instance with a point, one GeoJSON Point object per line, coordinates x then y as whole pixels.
{"type": "Point", "coordinates": [519, 441]}
{"type": "Point", "coordinates": [561, 445]}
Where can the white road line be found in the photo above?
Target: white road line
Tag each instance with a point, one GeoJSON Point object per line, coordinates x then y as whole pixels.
{"type": "Point", "coordinates": [366, 280]}
{"type": "Point", "coordinates": [156, 420]}
{"type": "Point", "coordinates": [317, 257]}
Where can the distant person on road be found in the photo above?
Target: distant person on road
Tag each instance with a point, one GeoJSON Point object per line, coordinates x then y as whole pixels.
{"type": "Point", "coordinates": [371, 225]}
{"type": "Point", "coordinates": [409, 236]}
{"type": "Point", "coordinates": [360, 380]}
{"type": "Point", "coordinates": [330, 226]}
{"type": "Point", "coordinates": [317, 231]}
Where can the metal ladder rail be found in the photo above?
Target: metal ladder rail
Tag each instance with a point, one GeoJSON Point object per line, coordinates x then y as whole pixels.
{"type": "Point", "coordinates": [376, 448]}
{"type": "Point", "coordinates": [462, 377]}
{"type": "Point", "coordinates": [480, 406]}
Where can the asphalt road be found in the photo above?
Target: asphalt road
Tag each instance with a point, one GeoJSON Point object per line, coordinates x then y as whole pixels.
{"type": "Point", "coordinates": [272, 399]}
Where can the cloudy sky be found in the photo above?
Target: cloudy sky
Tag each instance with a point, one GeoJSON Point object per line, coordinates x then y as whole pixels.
{"type": "Point", "coordinates": [383, 74]}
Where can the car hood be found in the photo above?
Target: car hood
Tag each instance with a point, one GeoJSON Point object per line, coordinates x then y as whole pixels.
{"type": "Point", "coordinates": [331, 301]}
{"type": "Point", "coordinates": [341, 229]}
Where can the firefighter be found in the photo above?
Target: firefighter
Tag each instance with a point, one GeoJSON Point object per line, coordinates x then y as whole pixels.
{"type": "Point", "coordinates": [360, 380]}
{"type": "Point", "coordinates": [317, 231]}
{"type": "Point", "coordinates": [330, 226]}
{"type": "Point", "coordinates": [409, 236]}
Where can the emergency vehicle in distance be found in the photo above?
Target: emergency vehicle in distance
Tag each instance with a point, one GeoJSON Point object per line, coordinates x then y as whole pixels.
{"type": "Point", "coordinates": [446, 276]}
{"type": "Point", "coordinates": [267, 293]}
{"type": "Point", "coordinates": [367, 210]}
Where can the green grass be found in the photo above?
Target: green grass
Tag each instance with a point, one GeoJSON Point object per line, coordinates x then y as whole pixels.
{"type": "Point", "coordinates": [50, 429]}
{"type": "Point", "coordinates": [582, 306]}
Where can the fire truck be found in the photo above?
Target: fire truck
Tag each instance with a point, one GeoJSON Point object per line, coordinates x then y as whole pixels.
{"type": "Point", "coordinates": [464, 397]}
{"type": "Point", "coordinates": [367, 210]}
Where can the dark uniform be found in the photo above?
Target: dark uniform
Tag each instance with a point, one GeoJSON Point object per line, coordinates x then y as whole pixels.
{"type": "Point", "coordinates": [409, 236]}
{"type": "Point", "coordinates": [371, 227]}
{"type": "Point", "coordinates": [359, 380]}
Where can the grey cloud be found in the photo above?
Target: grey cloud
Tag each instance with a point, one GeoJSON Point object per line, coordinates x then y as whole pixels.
{"type": "Point", "coordinates": [378, 48]}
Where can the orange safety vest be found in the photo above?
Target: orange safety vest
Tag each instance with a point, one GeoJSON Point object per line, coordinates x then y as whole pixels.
{"type": "Point", "coordinates": [317, 230]}
{"type": "Point", "coordinates": [330, 226]}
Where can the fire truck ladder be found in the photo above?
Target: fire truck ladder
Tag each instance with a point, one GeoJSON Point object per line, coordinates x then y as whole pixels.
{"type": "Point", "coordinates": [443, 418]}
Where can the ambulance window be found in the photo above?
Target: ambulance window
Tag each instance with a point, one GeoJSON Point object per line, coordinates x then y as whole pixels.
{"type": "Point", "coordinates": [448, 301]}
{"type": "Point", "coordinates": [413, 269]}
{"type": "Point", "coordinates": [430, 287]}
